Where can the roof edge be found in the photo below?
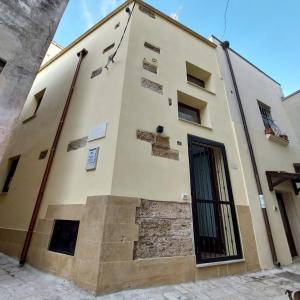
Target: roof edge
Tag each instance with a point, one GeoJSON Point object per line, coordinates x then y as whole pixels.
{"type": "Point", "coordinates": [291, 95]}
{"type": "Point", "coordinates": [116, 11]}
{"type": "Point", "coordinates": [249, 62]}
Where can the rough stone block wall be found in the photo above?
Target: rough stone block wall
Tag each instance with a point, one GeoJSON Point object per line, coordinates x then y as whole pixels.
{"type": "Point", "coordinates": [165, 229]}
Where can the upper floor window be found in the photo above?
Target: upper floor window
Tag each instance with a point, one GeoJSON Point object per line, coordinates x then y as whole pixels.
{"type": "Point", "coordinates": [270, 125]}
{"type": "Point", "coordinates": [2, 64]}
{"type": "Point", "coordinates": [192, 109]}
{"type": "Point", "coordinates": [13, 163]}
{"type": "Point", "coordinates": [35, 105]}
{"type": "Point", "coordinates": [265, 112]}
{"type": "Point", "coordinates": [188, 113]}
{"type": "Point", "coordinates": [198, 76]}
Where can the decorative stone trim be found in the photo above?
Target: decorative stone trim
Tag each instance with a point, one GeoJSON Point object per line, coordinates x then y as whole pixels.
{"type": "Point", "coordinates": [147, 11]}
{"type": "Point", "coordinates": [76, 144]}
{"type": "Point", "coordinates": [155, 87]}
{"type": "Point", "coordinates": [96, 72]}
{"type": "Point", "coordinates": [43, 154]}
{"type": "Point", "coordinates": [149, 66]}
{"type": "Point", "coordinates": [152, 47]}
{"type": "Point", "coordinates": [160, 144]}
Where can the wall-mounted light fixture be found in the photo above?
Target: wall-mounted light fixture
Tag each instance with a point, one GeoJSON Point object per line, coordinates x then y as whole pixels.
{"type": "Point", "coordinates": [159, 129]}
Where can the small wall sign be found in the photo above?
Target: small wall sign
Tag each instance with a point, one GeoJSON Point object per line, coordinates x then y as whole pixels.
{"type": "Point", "coordinates": [98, 132]}
{"type": "Point", "coordinates": [92, 157]}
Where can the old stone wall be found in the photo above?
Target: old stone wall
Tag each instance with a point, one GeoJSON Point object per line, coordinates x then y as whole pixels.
{"type": "Point", "coordinates": [26, 30]}
{"type": "Point", "coordinates": [165, 229]}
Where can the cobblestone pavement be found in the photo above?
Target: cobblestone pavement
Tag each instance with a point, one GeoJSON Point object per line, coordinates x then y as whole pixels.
{"type": "Point", "coordinates": [30, 284]}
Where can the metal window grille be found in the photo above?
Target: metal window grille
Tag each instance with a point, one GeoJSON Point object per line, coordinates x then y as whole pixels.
{"type": "Point", "coordinates": [265, 112]}
{"type": "Point", "coordinates": [215, 224]}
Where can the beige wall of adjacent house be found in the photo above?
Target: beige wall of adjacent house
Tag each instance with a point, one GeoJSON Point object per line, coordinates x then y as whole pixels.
{"type": "Point", "coordinates": [292, 107]}
{"type": "Point", "coordinates": [52, 51]}
{"type": "Point", "coordinates": [94, 101]}
{"type": "Point", "coordinates": [137, 172]}
{"type": "Point", "coordinates": [270, 156]}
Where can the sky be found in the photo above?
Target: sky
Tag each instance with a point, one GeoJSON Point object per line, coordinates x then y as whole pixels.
{"type": "Point", "coordinates": [266, 32]}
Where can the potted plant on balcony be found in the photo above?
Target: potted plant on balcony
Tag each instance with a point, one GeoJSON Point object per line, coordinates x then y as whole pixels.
{"type": "Point", "coordinates": [269, 130]}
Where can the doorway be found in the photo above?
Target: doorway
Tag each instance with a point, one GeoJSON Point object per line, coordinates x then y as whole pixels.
{"type": "Point", "coordinates": [286, 225]}
{"type": "Point", "coordinates": [216, 233]}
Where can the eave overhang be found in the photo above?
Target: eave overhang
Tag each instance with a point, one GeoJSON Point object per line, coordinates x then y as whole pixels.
{"type": "Point", "coordinates": [276, 177]}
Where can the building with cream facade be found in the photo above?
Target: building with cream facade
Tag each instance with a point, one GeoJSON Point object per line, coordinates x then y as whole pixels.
{"type": "Point", "coordinates": [126, 170]}
{"type": "Point", "coordinates": [276, 152]}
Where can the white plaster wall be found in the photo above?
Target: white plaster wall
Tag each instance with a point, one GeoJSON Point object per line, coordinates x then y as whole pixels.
{"type": "Point", "coordinates": [292, 106]}
{"type": "Point", "coordinates": [137, 172]}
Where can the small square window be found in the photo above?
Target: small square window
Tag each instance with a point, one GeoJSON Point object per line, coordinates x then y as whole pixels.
{"type": "Point", "coordinates": [13, 163]}
{"type": "Point", "coordinates": [198, 76]}
{"type": "Point", "coordinates": [64, 237]}
{"type": "Point", "coordinates": [193, 110]}
{"type": "Point", "coordinates": [195, 80]}
{"type": "Point", "coordinates": [188, 113]}
{"type": "Point", "coordinates": [2, 64]}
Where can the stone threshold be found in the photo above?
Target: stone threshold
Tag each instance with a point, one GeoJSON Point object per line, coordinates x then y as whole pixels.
{"type": "Point", "coordinates": [218, 263]}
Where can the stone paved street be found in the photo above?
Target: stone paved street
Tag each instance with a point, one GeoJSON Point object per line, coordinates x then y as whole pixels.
{"type": "Point", "coordinates": [30, 284]}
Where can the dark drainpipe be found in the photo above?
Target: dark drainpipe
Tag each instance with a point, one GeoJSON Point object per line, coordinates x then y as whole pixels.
{"type": "Point", "coordinates": [39, 199]}
{"type": "Point", "coordinates": [225, 46]}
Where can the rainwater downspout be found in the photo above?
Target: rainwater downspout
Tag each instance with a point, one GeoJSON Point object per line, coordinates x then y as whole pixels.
{"type": "Point", "coordinates": [39, 199]}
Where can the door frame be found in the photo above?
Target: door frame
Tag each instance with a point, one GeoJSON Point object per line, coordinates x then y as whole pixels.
{"type": "Point", "coordinates": [286, 224]}
{"type": "Point", "coordinates": [209, 143]}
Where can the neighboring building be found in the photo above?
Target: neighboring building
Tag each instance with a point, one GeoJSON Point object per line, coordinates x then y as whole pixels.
{"type": "Point", "coordinates": [26, 30]}
{"type": "Point", "coordinates": [142, 140]}
{"type": "Point", "coordinates": [52, 51]}
{"type": "Point", "coordinates": [276, 149]}
{"type": "Point", "coordinates": [291, 104]}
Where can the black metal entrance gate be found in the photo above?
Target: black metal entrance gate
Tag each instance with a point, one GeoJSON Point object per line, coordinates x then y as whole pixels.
{"type": "Point", "coordinates": [216, 231]}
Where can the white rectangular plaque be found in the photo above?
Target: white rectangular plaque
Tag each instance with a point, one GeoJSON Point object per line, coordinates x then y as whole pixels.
{"type": "Point", "coordinates": [98, 132]}
{"type": "Point", "coordinates": [91, 161]}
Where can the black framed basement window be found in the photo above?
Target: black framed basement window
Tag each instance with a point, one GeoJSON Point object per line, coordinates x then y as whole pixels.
{"type": "Point", "coordinates": [64, 237]}
{"type": "Point", "coordinates": [13, 163]}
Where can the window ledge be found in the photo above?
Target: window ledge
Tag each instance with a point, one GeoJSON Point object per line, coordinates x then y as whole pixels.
{"type": "Point", "coordinates": [225, 262]}
{"type": "Point", "coordinates": [196, 124]}
{"type": "Point", "coordinates": [29, 118]}
{"type": "Point", "coordinates": [201, 88]}
{"type": "Point", "coordinates": [277, 139]}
